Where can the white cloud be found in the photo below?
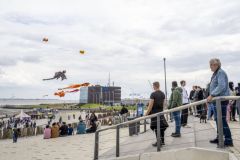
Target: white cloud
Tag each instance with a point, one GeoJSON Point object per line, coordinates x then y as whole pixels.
{"type": "Point", "coordinates": [128, 38]}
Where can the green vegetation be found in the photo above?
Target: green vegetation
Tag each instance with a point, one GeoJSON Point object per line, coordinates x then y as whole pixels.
{"type": "Point", "coordinates": [96, 106]}
{"type": "Point", "coordinates": [90, 106]}
{"type": "Point", "coordinates": [73, 106]}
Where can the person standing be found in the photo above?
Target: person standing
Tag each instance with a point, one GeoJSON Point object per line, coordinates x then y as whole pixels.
{"type": "Point", "coordinates": [237, 89]}
{"type": "Point", "coordinates": [191, 97]}
{"type": "Point", "coordinates": [185, 100]}
{"type": "Point", "coordinates": [219, 87]}
{"type": "Point", "coordinates": [232, 103]}
{"type": "Point", "coordinates": [176, 101]}
{"type": "Point", "coordinates": [198, 97]}
{"type": "Point", "coordinates": [210, 106]}
{"type": "Point", "coordinates": [155, 105]}
{"type": "Point", "coordinates": [15, 135]}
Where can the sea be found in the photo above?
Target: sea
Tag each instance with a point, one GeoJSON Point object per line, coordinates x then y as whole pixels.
{"type": "Point", "coordinates": [18, 102]}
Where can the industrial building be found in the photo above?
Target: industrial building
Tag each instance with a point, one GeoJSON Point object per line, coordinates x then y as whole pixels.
{"type": "Point", "coordinates": [101, 95]}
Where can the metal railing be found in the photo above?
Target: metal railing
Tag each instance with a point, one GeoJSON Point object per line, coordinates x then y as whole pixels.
{"type": "Point", "coordinates": [118, 126]}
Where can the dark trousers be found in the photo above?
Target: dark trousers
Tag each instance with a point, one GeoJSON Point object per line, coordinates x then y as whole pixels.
{"type": "Point", "coordinates": [233, 112]}
{"type": "Point", "coordinates": [226, 130]}
{"type": "Point", "coordinates": [15, 138]}
{"type": "Point", "coordinates": [199, 109]}
{"type": "Point", "coordinates": [161, 134]}
{"type": "Point", "coordinates": [184, 117]}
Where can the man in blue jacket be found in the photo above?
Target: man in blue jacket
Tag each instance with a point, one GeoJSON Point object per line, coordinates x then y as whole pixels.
{"type": "Point", "coordinates": [219, 87]}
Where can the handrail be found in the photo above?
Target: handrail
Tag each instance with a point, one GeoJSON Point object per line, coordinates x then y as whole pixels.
{"type": "Point", "coordinates": [170, 111]}
{"type": "Point", "coordinates": [118, 126]}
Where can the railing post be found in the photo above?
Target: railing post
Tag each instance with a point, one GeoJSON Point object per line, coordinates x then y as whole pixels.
{"type": "Point", "coordinates": [118, 141]}
{"type": "Point", "coordinates": [145, 125]}
{"type": "Point", "coordinates": [238, 108]}
{"type": "Point", "coordinates": [158, 134]}
{"type": "Point", "coordinates": [219, 123]}
{"type": "Point", "coordinates": [96, 147]}
{"type": "Point", "coordinates": [136, 127]}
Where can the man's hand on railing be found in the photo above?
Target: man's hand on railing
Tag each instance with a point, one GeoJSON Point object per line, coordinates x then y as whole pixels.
{"type": "Point", "coordinates": [209, 98]}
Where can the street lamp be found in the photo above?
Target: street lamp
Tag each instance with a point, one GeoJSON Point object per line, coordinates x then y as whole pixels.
{"type": "Point", "coordinates": [164, 60]}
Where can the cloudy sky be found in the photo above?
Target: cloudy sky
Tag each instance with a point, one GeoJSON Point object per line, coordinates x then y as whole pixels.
{"type": "Point", "coordinates": [127, 38]}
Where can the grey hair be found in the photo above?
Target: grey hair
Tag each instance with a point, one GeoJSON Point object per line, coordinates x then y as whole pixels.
{"type": "Point", "coordinates": [215, 61]}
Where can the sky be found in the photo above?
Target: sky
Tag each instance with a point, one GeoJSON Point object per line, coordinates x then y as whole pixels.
{"type": "Point", "coordinates": [126, 38]}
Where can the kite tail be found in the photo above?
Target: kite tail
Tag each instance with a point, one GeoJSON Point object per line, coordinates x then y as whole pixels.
{"type": "Point", "coordinates": [48, 79]}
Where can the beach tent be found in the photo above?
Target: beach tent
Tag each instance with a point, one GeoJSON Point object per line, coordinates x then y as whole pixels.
{"type": "Point", "coordinates": [22, 115]}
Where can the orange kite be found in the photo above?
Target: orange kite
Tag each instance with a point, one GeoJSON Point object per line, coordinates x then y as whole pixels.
{"type": "Point", "coordinates": [76, 86]}
{"type": "Point", "coordinates": [60, 94]}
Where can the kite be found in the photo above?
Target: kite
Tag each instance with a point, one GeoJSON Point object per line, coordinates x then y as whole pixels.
{"type": "Point", "coordinates": [72, 91]}
{"type": "Point", "coordinates": [58, 75]}
{"type": "Point", "coordinates": [81, 51]}
{"type": "Point", "coordinates": [45, 39]}
{"type": "Point", "coordinates": [60, 94]}
{"type": "Point", "coordinates": [76, 86]}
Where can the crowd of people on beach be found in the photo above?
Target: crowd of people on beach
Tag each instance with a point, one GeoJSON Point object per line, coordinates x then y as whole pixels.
{"type": "Point", "coordinates": [17, 123]}
{"type": "Point", "coordinates": [61, 129]}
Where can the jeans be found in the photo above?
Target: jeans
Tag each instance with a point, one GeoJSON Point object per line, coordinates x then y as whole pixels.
{"type": "Point", "coordinates": [15, 138]}
{"type": "Point", "coordinates": [226, 130]}
{"type": "Point", "coordinates": [211, 111]}
{"type": "Point", "coordinates": [177, 118]}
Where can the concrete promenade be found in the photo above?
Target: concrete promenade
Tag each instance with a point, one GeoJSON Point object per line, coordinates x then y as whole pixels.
{"type": "Point", "coordinates": [197, 136]}
{"type": "Point", "coordinates": [82, 146]}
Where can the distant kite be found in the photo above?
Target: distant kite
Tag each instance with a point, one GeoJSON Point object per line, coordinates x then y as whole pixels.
{"type": "Point", "coordinates": [75, 86]}
{"type": "Point", "coordinates": [60, 94]}
{"type": "Point", "coordinates": [81, 51]}
{"type": "Point", "coordinates": [58, 75]}
{"type": "Point", "coordinates": [45, 39]}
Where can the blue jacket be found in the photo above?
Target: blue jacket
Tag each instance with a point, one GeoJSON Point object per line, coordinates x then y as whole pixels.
{"type": "Point", "coordinates": [219, 84]}
{"type": "Point", "coordinates": [81, 128]}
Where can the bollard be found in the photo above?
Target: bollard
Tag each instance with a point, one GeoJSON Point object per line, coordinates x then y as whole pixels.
{"type": "Point", "coordinates": [118, 141]}
{"type": "Point", "coordinates": [1, 134]}
{"type": "Point", "coordinates": [145, 125]}
{"type": "Point", "coordinates": [96, 147]}
{"type": "Point", "coordinates": [219, 124]}
{"type": "Point", "coordinates": [158, 134]}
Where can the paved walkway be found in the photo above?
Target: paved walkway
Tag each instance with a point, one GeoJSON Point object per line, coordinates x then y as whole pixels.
{"type": "Point", "coordinates": [197, 136]}
{"type": "Point", "coordinates": [82, 146]}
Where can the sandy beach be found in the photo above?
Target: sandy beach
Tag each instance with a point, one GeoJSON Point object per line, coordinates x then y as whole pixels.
{"type": "Point", "coordinates": [62, 148]}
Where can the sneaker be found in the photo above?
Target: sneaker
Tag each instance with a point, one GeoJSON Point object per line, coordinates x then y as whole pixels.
{"type": "Point", "coordinates": [215, 141]}
{"type": "Point", "coordinates": [176, 135]}
{"type": "Point", "coordinates": [154, 144]}
{"type": "Point", "coordinates": [187, 126]}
